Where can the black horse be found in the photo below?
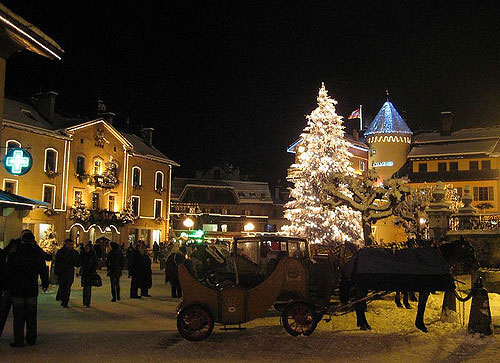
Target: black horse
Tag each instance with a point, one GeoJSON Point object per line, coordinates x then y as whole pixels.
{"type": "Point", "coordinates": [365, 272]}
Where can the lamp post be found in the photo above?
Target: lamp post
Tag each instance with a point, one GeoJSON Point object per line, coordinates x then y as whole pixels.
{"type": "Point", "coordinates": [188, 223]}
{"type": "Point", "coordinates": [249, 227]}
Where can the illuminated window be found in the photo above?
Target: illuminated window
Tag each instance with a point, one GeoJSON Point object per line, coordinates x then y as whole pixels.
{"type": "Point", "coordinates": [483, 193]}
{"type": "Point", "coordinates": [49, 193]}
{"type": "Point", "coordinates": [78, 196]}
{"type": "Point", "coordinates": [10, 186]}
{"type": "Point", "coordinates": [51, 160]}
{"type": "Point", "coordinates": [95, 201]}
{"type": "Point", "coordinates": [136, 176]}
{"type": "Point", "coordinates": [362, 165]}
{"type": "Point", "coordinates": [474, 165]}
{"type": "Point", "coordinates": [158, 208]}
{"type": "Point", "coordinates": [111, 202]}
{"type": "Point", "coordinates": [223, 227]}
{"type": "Point", "coordinates": [97, 166]}
{"type": "Point", "coordinates": [80, 165]}
{"type": "Point", "coordinates": [136, 205]}
{"type": "Point", "coordinates": [159, 180]}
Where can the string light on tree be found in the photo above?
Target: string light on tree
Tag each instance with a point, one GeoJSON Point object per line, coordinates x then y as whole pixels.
{"type": "Point", "coordinates": [323, 151]}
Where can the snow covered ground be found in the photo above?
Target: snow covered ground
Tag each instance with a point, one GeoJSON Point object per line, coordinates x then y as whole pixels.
{"type": "Point", "coordinates": [145, 330]}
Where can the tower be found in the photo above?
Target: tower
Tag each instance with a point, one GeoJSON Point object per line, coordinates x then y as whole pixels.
{"type": "Point", "coordinates": [389, 138]}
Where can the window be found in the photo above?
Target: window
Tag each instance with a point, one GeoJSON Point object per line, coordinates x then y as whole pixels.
{"type": "Point", "coordinates": [51, 160]}
{"type": "Point", "coordinates": [252, 195]}
{"type": "Point", "coordinates": [453, 165]}
{"type": "Point", "coordinates": [473, 165]}
{"type": "Point", "coordinates": [158, 208]}
{"type": "Point", "coordinates": [159, 180]}
{"type": "Point", "coordinates": [78, 196]}
{"type": "Point", "coordinates": [422, 168]}
{"type": "Point", "coordinates": [241, 194]}
{"type": "Point", "coordinates": [49, 193]}
{"type": "Point", "coordinates": [223, 227]}
{"type": "Point", "coordinates": [10, 186]}
{"type": "Point", "coordinates": [111, 202]}
{"type": "Point", "coordinates": [136, 176]}
{"type": "Point", "coordinates": [459, 191]}
{"type": "Point", "coordinates": [441, 166]}
{"type": "Point", "coordinates": [362, 165]}
{"type": "Point", "coordinates": [483, 193]}
{"type": "Point", "coordinates": [485, 165]}
{"type": "Point", "coordinates": [11, 144]}
{"type": "Point", "coordinates": [80, 165]}
{"type": "Point", "coordinates": [97, 166]}
{"type": "Point", "coordinates": [95, 201]}
{"type": "Point", "coordinates": [136, 205]}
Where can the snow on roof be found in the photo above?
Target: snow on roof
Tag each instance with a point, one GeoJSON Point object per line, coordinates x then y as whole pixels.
{"type": "Point", "coordinates": [463, 134]}
{"type": "Point", "coordinates": [388, 121]}
{"type": "Point", "coordinates": [23, 113]}
{"type": "Point", "coordinates": [247, 191]}
{"type": "Point", "coordinates": [142, 148]}
{"type": "Point", "coordinates": [454, 148]}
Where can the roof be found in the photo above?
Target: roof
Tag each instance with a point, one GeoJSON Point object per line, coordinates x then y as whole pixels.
{"type": "Point", "coordinates": [141, 148]}
{"type": "Point", "coordinates": [454, 148]}
{"type": "Point", "coordinates": [354, 143]}
{"type": "Point", "coordinates": [246, 191]}
{"type": "Point", "coordinates": [29, 36]}
{"type": "Point", "coordinates": [463, 134]}
{"type": "Point", "coordinates": [16, 201]}
{"type": "Point", "coordinates": [24, 113]}
{"type": "Point", "coordinates": [387, 121]}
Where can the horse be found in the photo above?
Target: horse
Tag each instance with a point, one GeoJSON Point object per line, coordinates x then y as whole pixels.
{"type": "Point", "coordinates": [455, 254]}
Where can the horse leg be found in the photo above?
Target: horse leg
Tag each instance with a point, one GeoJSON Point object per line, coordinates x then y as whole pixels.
{"type": "Point", "coordinates": [360, 308]}
{"type": "Point", "coordinates": [397, 299]}
{"type": "Point", "coordinates": [405, 300]}
{"type": "Point", "coordinates": [422, 301]}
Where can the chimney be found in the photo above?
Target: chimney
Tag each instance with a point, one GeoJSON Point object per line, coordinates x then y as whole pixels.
{"type": "Point", "coordinates": [102, 112]}
{"type": "Point", "coordinates": [46, 105]}
{"type": "Point", "coordinates": [446, 123]}
{"type": "Point", "coordinates": [355, 134]}
{"type": "Point", "coordinates": [277, 193]}
{"type": "Point", "coordinates": [147, 135]}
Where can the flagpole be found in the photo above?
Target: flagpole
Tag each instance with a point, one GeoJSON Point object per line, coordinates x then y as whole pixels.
{"type": "Point", "coordinates": [360, 117]}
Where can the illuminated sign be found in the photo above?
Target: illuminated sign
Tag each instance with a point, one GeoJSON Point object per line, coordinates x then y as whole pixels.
{"type": "Point", "coordinates": [17, 161]}
{"type": "Point", "coordinates": [382, 163]}
{"type": "Point", "coordinates": [196, 234]}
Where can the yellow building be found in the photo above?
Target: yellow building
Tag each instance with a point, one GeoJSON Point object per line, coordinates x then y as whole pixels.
{"type": "Point", "coordinates": [90, 165]}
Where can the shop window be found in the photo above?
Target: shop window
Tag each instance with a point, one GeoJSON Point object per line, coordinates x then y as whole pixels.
{"type": "Point", "coordinates": [453, 165]}
{"type": "Point", "coordinates": [486, 165]}
{"type": "Point", "coordinates": [474, 165]}
{"type": "Point", "coordinates": [483, 193]}
{"type": "Point", "coordinates": [422, 168]}
{"type": "Point", "coordinates": [49, 192]}
{"type": "Point", "coordinates": [441, 167]}
{"type": "Point", "coordinates": [51, 160]}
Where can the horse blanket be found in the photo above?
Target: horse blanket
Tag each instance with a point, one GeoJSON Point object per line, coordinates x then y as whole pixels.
{"type": "Point", "coordinates": [409, 269]}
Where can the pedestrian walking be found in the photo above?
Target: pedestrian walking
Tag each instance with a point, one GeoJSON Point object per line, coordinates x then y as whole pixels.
{"type": "Point", "coordinates": [114, 264]}
{"type": "Point", "coordinates": [156, 251]}
{"type": "Point", "coordinates": [135, 269]}
{"type": "Point", "coordinates": [67, 258]}
{"type": "Point", "coordinates": [147, 274]}
{"type": "Point", "coordinates": [87, 272]}
{"type": "Point", "coordinates": [23, 268]}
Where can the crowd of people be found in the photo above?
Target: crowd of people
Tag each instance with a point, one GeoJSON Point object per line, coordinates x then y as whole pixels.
{"type": "Point", "coordinates": [23, 263]}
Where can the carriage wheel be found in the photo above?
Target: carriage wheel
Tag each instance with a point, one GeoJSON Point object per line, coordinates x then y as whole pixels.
{"type": "Point", "coordinates": [195, 323]}
{"type": "Point", "coordinates": [299, 318]}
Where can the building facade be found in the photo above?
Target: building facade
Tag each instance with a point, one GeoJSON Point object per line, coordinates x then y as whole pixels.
{"type": "Point", "coordinates": [95, 177]}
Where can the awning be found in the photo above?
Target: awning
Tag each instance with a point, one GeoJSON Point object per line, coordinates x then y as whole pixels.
{"type": "Point", "coordinates": [9, 200]}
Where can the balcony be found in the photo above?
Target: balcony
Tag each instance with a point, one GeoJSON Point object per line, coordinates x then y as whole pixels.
{"type": "Point", "coordinates": [455, 175]}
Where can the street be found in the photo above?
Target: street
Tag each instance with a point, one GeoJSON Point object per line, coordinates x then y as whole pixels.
{"type": "Point", "coordinates": [145, 330]}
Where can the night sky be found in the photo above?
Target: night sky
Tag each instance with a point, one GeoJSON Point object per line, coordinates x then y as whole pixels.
{"type": "Point", "coordinates": [232, 80]}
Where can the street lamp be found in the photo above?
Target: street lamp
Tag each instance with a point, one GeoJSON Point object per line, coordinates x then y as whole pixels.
{"type": "Point", "coordinates": [188, 223]}
{"type": "Point", "coordinates": [249, 227]}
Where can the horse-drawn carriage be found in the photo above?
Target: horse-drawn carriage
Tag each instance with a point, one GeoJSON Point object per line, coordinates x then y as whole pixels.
{"type": "Point", "coordinates": [271, 270]}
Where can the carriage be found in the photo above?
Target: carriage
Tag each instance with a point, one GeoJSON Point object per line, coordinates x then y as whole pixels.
{"type": "Point", "coordinates": [261, 272]}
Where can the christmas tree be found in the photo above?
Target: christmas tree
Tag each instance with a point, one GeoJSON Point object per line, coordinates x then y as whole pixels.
{"type": "Point", "coordinates": [322, 152]}
{"type": "Point", "coordinates": [49, 242]}
{"type": "Point", "coordinates": [127, 215]}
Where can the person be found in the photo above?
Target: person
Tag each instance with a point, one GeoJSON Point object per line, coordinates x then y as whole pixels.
{"type": "Point", "coordinates": [114, 264]}
{"type": "Point", "coordinates": [147, 274]}
{"type": "Point", "coordinates": [156, 251]}
{"type": "Point", "coordinates": [23, 268]}
{"type": "Point", "coordinates": [172, 274]}
{"type": "Point", "coordinates": [67, 258]}
{"type": "Point", "coordinates": [87, 272]}
{"type": "Point", "coordinates": [135, 269]}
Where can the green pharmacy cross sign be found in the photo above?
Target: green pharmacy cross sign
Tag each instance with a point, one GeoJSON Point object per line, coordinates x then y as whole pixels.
{"type": "Point", "coordinates": [18, 161]}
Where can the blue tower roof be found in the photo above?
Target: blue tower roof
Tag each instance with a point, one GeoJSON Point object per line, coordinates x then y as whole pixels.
{"type": "Point", "coordinates": [388, 121]}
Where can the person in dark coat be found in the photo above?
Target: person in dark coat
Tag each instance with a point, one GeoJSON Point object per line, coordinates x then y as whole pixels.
{"type": "Point", "coordinates": [135, 269]}
{"type": "Point", "coordinates": [67, 258]}
{"type": "Point", "coordinates": [114, 264]}
{"type": "Point", "coordinates": [87, 272]}
{"type": "Point", "coordinates": [23, 268]}
{"type": "Point", "coordinates": [147, 274]}
{"type": "Point", "coordinates": [156, 251]}
{"type": "Point", "coordinates": [173, 261]}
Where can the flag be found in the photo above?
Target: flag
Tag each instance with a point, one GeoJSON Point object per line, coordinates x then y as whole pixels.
{"type": "Point", "coordinates": [355, 114]}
